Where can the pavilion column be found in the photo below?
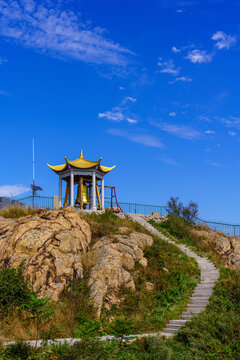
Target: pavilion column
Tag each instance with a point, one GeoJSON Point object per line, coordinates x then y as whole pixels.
{"type": "Point", "coordinates": [60, 193]}
{"type": "Point", "coordinates": [102, 193]}
{"type": "Point", "coordinates": [94, 191]}
{"type": "Point", "coordinates": [71, 189]}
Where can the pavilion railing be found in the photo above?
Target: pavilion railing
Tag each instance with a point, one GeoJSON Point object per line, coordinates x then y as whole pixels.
{"type": "Point", "coordinates": [46, 202]}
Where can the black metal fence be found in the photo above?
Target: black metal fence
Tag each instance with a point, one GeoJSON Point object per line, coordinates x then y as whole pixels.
{"type": "Point", "coordinates": [46, 202]}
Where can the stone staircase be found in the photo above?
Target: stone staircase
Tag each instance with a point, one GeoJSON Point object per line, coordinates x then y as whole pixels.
{"type": "Point", "coordinates": [203, 291]}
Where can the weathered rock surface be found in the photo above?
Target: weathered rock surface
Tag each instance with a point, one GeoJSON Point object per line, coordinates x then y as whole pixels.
{"type": "Point", "coordinates": [49, 244]}
{"type": "Point", "coordinates": [227, 247]}
{"type": "Point", "coordinates": [115, 258]}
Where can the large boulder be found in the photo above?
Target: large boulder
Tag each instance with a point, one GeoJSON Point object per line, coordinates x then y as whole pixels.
{"type": "Point", "coordinates": [54, 246]}
{"type": "Point", "coordinates": [49, 244]}
{"type": "Point", "coordinates": [227, 247]}
{"type": "Point", "coordinates": [115, 258]}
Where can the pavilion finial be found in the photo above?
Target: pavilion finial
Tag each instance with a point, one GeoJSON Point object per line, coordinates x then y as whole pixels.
{"type": "Point", "coordinates": [81, 155]}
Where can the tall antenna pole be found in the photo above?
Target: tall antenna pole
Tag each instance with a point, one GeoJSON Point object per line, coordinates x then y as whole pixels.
{"type": "Point", "coordinates": [33, 163]}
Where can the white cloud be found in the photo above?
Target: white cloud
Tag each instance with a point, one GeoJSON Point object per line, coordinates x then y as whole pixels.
{"type": "Point", "coordinates": [223, 41]}
{"type": "Point", "coordinates": [231, 121]}
{"type": "Point", "coordinates": [175, 50]}
{"type": "Point", "coordinates": [168, 67]}
{"type": "Point", "coordinates": [131, 121]}
{"type": "Point", "coordinates": [232, 133]}
{"type": "Point", "coordinates": [121, 88]}
{"type": "Point", "coordinates": [129, 98]}
{"type": "Point", "coordinates": [204, 118]}
{"type": "Point", "coordinates": [179, 11]}
{"type": "Point", "coordinates": [13, 190]}
{"type": "Point", "coordinates": [199, 56]}
{"type": "Point", "coordinates": [58, 32]}
{"type": "Point", "coordinates": [210, 132]}
{"type": "Point", "coordinates": [144, 139]}
{"type": "Point", "coordinates": [111, 115]}
{"type": "Point", "coordinates": [172, 113]}
{"type": "Point", "coordinates": [181, 131]}
{"type": "Point", "coordinates": [121, 113]}
{"type": "Point", "coordinates": [181, 78]}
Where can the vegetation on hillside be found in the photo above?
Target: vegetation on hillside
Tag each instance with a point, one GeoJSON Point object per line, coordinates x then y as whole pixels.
{"type": "Point", "coordinates": [16, 212]}
{"type": "Point", "coordinates": [215, 333]}
{"type": "Point", "coordinates": [171, 273]}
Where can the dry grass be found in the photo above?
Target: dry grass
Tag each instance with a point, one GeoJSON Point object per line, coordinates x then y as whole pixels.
{"type": "Point", "coordinates": [88, 261]}
{"type": "Point", "coordinates": [17, 212]}
{"type": "Point", "coordinates": [108, 224]}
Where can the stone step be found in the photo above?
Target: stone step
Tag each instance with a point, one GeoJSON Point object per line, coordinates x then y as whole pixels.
{"type": "Point", "coordinates": [199, 303]}
{"type": "Point", "coordinates": [204, 287]}
{"type": "Point", "coordinates": [196, 306]}
{"type": "Point", "coordinates": [183, 322]}
{"type": "Point", "coordinates": [202, 293]}
{"type": "Point", "coordinates": [170, 331]}
{"type": "Point", "coordinates": [195, 310]}
{"type": "Point", "coordinates": [197, 299]}
{"type": "Point", "coordinates": [210, 286]}
{"type": "Point", "coordinates": [209, 274]}
{"type": "Point", "coordinates": [187, 316]}
{"type": "Point", "coordinates": [184, 313]}
{"type": "Point", "coordinates": [174, 326]}
{"type": "Point", "coordinates": [208, 281]}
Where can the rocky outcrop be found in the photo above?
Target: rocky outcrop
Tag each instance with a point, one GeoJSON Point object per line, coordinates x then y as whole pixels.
{"type": "Point", "coordinates": [227, 247]}
{"type": "Point", "coordinates": [55, 245]}
{"type": "Point", "coordinates": [50, 245]}
{"type": "Point", "coordinates": [115, 258]}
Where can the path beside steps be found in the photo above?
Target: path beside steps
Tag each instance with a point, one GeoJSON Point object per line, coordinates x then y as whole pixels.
{"type": "Point", "coordinates": [203, 291]}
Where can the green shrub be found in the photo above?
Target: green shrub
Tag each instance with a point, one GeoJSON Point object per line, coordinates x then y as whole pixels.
{"type": "Point", "coordinates": [77, 295]}
{"type": "Point", "coordinates": [173, 275]}
{"type": "Point", "coordinates": [90, 350]}
{"type": "Point", "coordinates": [14, 289]}
{"type": "Point", "coordinates": [102, 225]}
{"type": "Point", "coordinates": [176, 208]}
{"type": "Point", "coordinates": [154, 348]}
{"type": "Point", "coordinates": [17, 351]}
{"type": "Point", "coordinates": [177, 226]}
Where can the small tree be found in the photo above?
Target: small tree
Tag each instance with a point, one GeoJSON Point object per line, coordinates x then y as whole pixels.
{"type": "Point", "coordinates": [89, 329]}
{"type": "Point", "coordinates": [13, 289]}
{"type": "Point", "coordinates": [40, 311]}
{"type": "Point", "coordinates": [176, 208]}
{"type": "Point", "coordinates": [121, 328]}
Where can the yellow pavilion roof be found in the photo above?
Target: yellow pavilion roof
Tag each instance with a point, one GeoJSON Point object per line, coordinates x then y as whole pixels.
{"type": "Point", "coordinates": [81, 163]}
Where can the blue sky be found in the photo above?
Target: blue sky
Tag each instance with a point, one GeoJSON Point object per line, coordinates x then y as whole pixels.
{"type": "Point", "coordinates": [151, 86]}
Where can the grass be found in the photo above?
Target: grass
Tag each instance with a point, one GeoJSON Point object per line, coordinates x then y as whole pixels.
{"type": "Point", "coordinates": [174, 276]}
{"type": "Point", "coordinates": [215, 333]}
{"type": "Point", "coordinates": [108, 224]}
{"type": "Point", "coordinates": [181, 232]}
{"type": "Point", "coordinates": [172, 273]}
{"type": "Point", "coordinates": [16, 212]}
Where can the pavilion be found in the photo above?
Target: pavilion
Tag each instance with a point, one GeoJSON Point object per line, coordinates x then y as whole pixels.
{"type": "Point", "coordinates": [86, 174]}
